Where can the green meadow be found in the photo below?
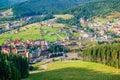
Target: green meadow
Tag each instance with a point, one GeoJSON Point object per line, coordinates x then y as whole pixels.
{"type": "Point", "coordinates": [74, 70]}
{"type": "Point", "coordinates": [33, 32]}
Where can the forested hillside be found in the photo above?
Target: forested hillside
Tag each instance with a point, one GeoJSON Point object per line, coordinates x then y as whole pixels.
{"type": "Point", "coordinates": [33, 7]}
{"type": "Point", "coordinates": [7, 3]}
{"type": "Point", "coordinates": [88, 10]}
{"type": "Point", "coordinates": [100, 8]}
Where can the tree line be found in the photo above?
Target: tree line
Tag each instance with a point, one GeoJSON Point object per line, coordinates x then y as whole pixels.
{"type": "Point", "coordinates": [106, 54]}
{"type": "Point", "coordinates": [13, 67]}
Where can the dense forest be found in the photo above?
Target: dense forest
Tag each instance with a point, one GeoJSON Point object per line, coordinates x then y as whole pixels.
{"type": "Point", "coordinates": [33, 7]}
{"type": "Point", "coordinates": [100, 8]}
{"type": "Point", "coordinates": [8, 3]}
{"type": "Point", "coordinates": [13, 67]}
{"type": "Point", "coordinates": [106, 54]}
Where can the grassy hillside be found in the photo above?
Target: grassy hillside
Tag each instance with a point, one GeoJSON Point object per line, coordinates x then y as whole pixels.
{"type": "Point", "coordinates": [65, 17]}
{"type": "Point", "coordinates": [34, 32]}
{"type": "Point", "coordinates": [75, 70]}
{"type": "Point", "coordinates": [33, 7]}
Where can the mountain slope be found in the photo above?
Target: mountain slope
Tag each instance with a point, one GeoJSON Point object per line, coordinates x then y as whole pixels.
{"type": "Point", "coordinates": [7, 3]}
{"type": "Point", "coordinates": [92, 9]}
{"type": "Point", "coordinates": [33, 7]}
{"type": "Point", "coordinates": [100, 8]}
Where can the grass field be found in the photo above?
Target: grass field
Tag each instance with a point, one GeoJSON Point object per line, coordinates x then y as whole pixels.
{"type": "Point", "coordinates": [114, 15]}
{"type": "Point", "coordinates": [75, 70]}
{"type": "Point", "coordinates": [33, 33]}
{"type": "Point", "coordinates": [64, 16]}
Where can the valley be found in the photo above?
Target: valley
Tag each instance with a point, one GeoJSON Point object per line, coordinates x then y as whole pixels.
{"type": "Point", "coordinates": [62, 40]}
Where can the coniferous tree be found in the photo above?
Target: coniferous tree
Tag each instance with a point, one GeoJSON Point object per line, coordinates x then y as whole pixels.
{"type": "Point", "coordinates": [107, 54]}
{"type": "Point", "coordinates": [13, 67]}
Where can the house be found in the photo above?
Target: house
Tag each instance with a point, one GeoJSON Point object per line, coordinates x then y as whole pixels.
{"type": "Point", "coordinates": [24, 54]}
{"type": "Point", "coordinates": [17, 31]}
{"type": "Point", "coordinates": [14, 50]}
{"type": "Point", "coordinates": [34, 53]}
{"type": "Point", "coordinates": [8, 26]}
{"type": "Point", "coordinates": [108, 37]}
{"type": "Point", "coordinates": [5, 48]}
{"type": "Point", "coordinates": [72, 56]}
{"type": "Point", "coordinates": [85, 36]}
{"type": "Point", "coordinates": [82, 20]}
{"type": "Point", "coordinates": [95, 24]}
{"type": "Point", "coordinates": [30, 18]}
{"type": "Point", "coordinates": [103, 32]}
{"type": "Point", "coordinates": [70, 38]}
{"type": "Point", "coordinates": [44, 45]}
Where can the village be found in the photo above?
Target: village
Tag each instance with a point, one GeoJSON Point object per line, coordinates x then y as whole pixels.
{"type": "Point", "coordinates": [34, 50]}
{"type": "Point", "coordinates": [93, 29]}
{"type": "Point", "coordinates": [9, 22]}
{"type": "Point", "coordinates": [36, 43]}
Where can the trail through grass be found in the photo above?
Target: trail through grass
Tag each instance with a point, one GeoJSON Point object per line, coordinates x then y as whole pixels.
{"type": "Point", "coordinates": [76, 70]}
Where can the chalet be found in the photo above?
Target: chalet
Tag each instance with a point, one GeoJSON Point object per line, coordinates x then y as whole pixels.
{"type": "Point", "coordinates": [85, 36]}
{"type": "Point", "coordinates": [30, 42]}
{"type": "Point", "coordinates": [30, 18]}
{"type": "Point", "coordinates": [95, 24]}
{"type": "Point", "coordinates": [44, 42]}
{"type": "Point", "coordinates": [24, 54]}
{"type": "Point", "coordinates": [6, 48]}
{"type": "Point", "coordinates": [83, 20]}
{"type": "Point", "coordinates": [108, 37]}
{"type": "Point", "coordinates": [97, 36]}
{"type": "Point", "coordinates": [14, 50]}
{"type": "Point", "coordinates": [103, 32]}
{"type": "Point", "coordinates": [37, 42]}
{"type": "Point", "coordinates": [12, 25]}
